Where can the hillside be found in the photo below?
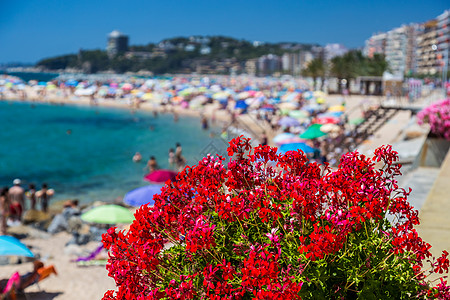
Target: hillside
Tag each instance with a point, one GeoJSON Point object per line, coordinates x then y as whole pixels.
{"type": "Point", "coordinates": [174, 55]}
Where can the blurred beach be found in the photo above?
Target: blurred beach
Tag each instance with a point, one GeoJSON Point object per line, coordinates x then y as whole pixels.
{"type": "Point", "coordinates": [79, 139]}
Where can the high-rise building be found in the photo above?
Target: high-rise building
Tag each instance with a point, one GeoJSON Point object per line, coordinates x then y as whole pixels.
{"type": "Point", "coordinates": [427, 48]}
{"type": "Point", "coordinates": [400, 49]}
{"type": "Point", "coordinates": [117, 43]}
{"type": "Point", "coordinates": [251, 66]}
{"type": "Point", "coordinates": [412, 32]}
{"type": "Point", "coordinates": [290, 63]}
{"type": "Point", "coordinates": [376, 44]}
{"type": "Point", "coordinates": [305, 58]}
{"type": "Point", "coordinates": [443, 39]}
{"type": "Point", "coordinates": [268, 64]}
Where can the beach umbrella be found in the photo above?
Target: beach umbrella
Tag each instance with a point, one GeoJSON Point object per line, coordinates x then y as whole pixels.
{"type": "Point", "coordinates": [320, 100]}
{"type": "Point", "coordinates": [312, 107]}
{"type": "Point", "coordinates": [308, 95]}
{"type": "Point", "coordinates": [243, 95]}
{"type": "Point", "coordinates": [241, 104]}
{"type": "Point", "coordinates": [290, 97]}
{"type": "Point", "coordinates": [147, 96]}
{"type": "Point", "coordinates": [177, 99]}
{"type": "Point", "coordinates": [313, 132]}
{"type": "Point", "coordinates": [292, 140]}
{"type": "Point", "coordinates": [356, 121]}
{"type": "Point", "coordinates": [296, 146]}
{"type": "Point", "coordinates": [327, 120]}
{"type": "Point", "coordinates": [220, 95]}
{"type": "Point", "coordinates": [288, 122]}
{"type": "Point", "coordinates": [331, 114]}
{"type": "Point", "coordinates": [330, 128]}
{"type": "Point", "coordinates": [85, 92]}
{"type": "Point", "coordinates": [336, 108]}
{"type": "Point", "coordinates": [288, 105]}
{"type": "Point", "coordinates": [112, 91]}
{"type": "Point", "coordinates": [268, 107]}
{"type": "Point", "coordinates": [11, 246]}
{"type": "Point", "coordinates": [127, 87]}
{"type": "Point", "coordinates": [319, 94]}
{"type": "Point", "coordinates": [298, 114]}
{"type": "Point", "coordinates": [71, 82]}
{"type": "Point", "coordinates": [283, 136]}
{"type": "Point", "coordinates": [160, 176]}
{"type": "Point", "coordinates": [108, 214]}
{"type": "Point", "coordinates": [142, 195]}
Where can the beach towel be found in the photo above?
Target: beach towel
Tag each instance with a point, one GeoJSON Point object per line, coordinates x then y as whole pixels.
{"type": "Point", "coordinates": [91, 256]}
{"type": "Point", "coordinates": [14, 281]}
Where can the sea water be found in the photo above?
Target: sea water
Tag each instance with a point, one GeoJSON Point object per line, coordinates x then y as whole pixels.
{"type": "Point", "coordinates": [86, 152]}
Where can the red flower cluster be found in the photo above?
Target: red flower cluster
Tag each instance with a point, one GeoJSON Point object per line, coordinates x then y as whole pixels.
{"type": "Point", "coordinates": [267, 224]}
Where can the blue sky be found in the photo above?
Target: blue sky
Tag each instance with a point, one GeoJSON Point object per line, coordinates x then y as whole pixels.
{"type": "Point", "coordinates": [35, 29]}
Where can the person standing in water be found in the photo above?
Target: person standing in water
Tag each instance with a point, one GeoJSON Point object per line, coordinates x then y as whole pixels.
{"type": "Point", "coordinates": [152, 165]}
{"type": "Point", "coordinates": [31, 194]}
{"type": "Point", "coordinates": [44, 196]}
{"type": "Point", "coordinates": [4, 210]}
{"type": "Point", "coordinates": [17, 193]}
{"type": "Point", "coordinates": [171, 157]}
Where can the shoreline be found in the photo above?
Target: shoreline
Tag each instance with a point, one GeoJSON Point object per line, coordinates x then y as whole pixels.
{"type": "Point", "coordinates": [215, 115]}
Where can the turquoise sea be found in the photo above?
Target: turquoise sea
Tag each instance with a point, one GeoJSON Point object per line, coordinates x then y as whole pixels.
{"type": "Point", "coordinates": [94, 161]}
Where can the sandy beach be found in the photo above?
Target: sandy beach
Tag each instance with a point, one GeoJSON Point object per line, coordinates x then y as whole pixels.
{"type": "Point", "coordinates": [72, 282]}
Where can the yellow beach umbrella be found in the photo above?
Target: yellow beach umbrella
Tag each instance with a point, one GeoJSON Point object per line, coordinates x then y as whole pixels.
{"type": "Point", "coordinates": [319, 94]}
{"type": "Point", "coordinates": [220, 95]}
{"type": "Point", "coordinates": [147, 96]}
{"type": "Point", "coordinates": [320, 100]}
{"type": "Point", "coordinates": [336, 108]}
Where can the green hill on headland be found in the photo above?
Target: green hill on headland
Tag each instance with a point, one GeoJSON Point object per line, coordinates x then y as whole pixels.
{"type": "Point", "coordinates": [216, 54]}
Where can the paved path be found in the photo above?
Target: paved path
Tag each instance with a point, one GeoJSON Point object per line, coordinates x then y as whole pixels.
{"type": "Point", "coordinates": [421, 181]}
{"type": "Point", "coordinates": [435, 213]}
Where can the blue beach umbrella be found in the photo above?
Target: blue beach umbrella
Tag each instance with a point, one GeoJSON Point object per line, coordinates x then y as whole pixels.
{"type": "Point", "coordinates": [288, 122]}
{"type": "Point", "coordinates": [331, 114]}
{"type": "Point", "coordinates": [71, 82]}
{"type": "Point", "coordinates": [296, 146]}
{"type": "Point", "coordinates": [142, 195]}
{"type": "Point", "coordinates": [241, 104]}
{"type": "Point", "coordinates": [282, 136]}
{"type": "Point", "coordinates": [11, 246]}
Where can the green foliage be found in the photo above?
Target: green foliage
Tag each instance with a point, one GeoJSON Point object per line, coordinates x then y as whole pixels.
{"type": "Point", "coordinates": [59, 62]}
{"type": "Point", "coordinates": [354, 64]}
{"type": "Point", "coordinates": [175, 59]}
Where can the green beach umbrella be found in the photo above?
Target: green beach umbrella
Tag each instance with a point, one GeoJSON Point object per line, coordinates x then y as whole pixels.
{"type": "Point", "coordinates": [356, 121]}
{"type": "Point", "coordinates": [108, 214]}
{"type": "Point", "coordinates": [298, 114]}
{"type": "Point", "coordinates": [285, 111]}
{"type": "Point", "coordinates": [313, 132]}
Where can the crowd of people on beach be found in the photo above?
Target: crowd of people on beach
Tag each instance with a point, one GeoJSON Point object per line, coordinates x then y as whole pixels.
{"type": "Point", "coordinates": [267, 101]}
{"type": "Point", "coordinates": [13, 202]}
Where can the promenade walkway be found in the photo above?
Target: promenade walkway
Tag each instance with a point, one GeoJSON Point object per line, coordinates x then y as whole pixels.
{"type": "Point", "coordinates": [435, 212]}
